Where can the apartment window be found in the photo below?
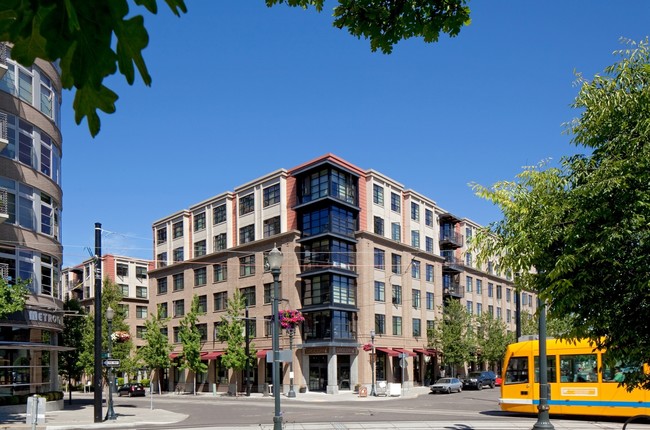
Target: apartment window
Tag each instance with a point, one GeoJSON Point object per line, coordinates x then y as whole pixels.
{"type": "Point", "coordinates": [161, 260]}
{"type": "Point", "coordinates": [415, 238]}
{"type": "Point", "coordinates": [268, 292]}
{"type": "Point", "coordinates": [179, 282]}
{"type": "Point", "coordinates": [122, 269]}
{"type": "Point", "coordinates": [378, 194]}
{"type": "Point", "coordinates": [140, 272]}
{"type": "Point", "coordinates": [479, 287]}
{"type": "Point", "coordinates": [272, 226]}
{"type": "Point", "coordinates": [380, 259]}
{"type": "Point", "coordinates": [123, 310]}
{"type": "Point", "coordinates": [176, 334]}
{"type": "Point", "coordinates": [162, 285]}
{"type": "Point", "coordinates": [491, 310]}
{"type": "Point", "coordinates": [430, 301]}
{"type": "Point", "coordinates": [379, 225]}
{"type": "Point", "coordinates": [508, 316]}
{"type": "Point", "coordinates": [177, 229]}
{"type": "Point", "coordinates": [508, 295]}
{"type": "Point", "coordinates": [247, 234]}
{"type": "Point", "coordinates": [161, 235]}
{"type": "Point", "coordinates": [203, 333]}
{"type": "Point", "coordinates": [178, 254]}
{"type": "Point", "coordinates": [428, 244]}
{"type": "Point", "coordinates": [397, 326]}
{"type": "Point", "coordinates": [220, 242]}
{"type": "Point", "coordinates": [202, 304]}
{"type": "Point", "coordinates": [470, 307]}
{"type": "Point", "coordinates": [25, 86]}
{"type": "Point", "coordinates": [220, 272]}
{"type": "Point", "coordinates": [395, 202]}
{"type": "Point", "coordinates": [380, 291]}
{"type": "Point", "coordinates": [200, 276]}
{"type": "Point", "coordinates": [415, 269]}
{"type": "Point", "coordinates": [271, 195]}
{"type": "Point", "coordinates": [479, 309]}
{"type": "Point", "coordinates": [499, 295]}
{"type": "Point", "coordinates": [248, 294]}
{"type": "Point", "coordinates": [141, 292]}
{"type": "Point", "coordinates": [490, 289]}
{"type": "Point", "coordinates": [396, 263]}
{"type": "Point", "coordinates": [396, 231]}
{"type": "Point", "coordinates": [415, 211]}
{"type": "Point", "coordinates": [246, 266]}
{"type": "Point", "coordinates": [499, 315]}
{"type": "Point", "coordinates": [200, 248]}
{"type": "Point", "coordinates": [429, 273]}
{"type": "Point", "coordinates": [490, 268]}
{"type": "Point", "coordinates": [199, 221]}
{"type": "Point", "coordinates": [179, 308]}
{"type": "Point", "coordinates": [428, 217]}
{"type": "Point", "coordinates": [470, 282]}
{"type": "Point", "coordinates": [124, 289]}
{"type": "Point", "coordinates": [397, 294]}
{"type": "Point", "coordinates": [417, 327]}
{"type": "Point", "coordinates": [468, 235]}
{"type": "Point", "coordinates": [468, 259]}
{"type": "Point", "coordinates": [141, 312]}
{"type": "Point", "coordinates": [220, 300]}
{"type": "Point", "coordinates": [140, 331]}
{"type": "Point", "coordinates": [431, 324]}
{"type": "Point", "coordinates": [246, 204]}
{"type": "Point", "coordinates": [163, 310]}
{"type": "Point", "coordinates": [219, 214]}
{"type": "Point", "coordinates": [415, 299]}
{"type": "Point", "coordinates": [380, 324]}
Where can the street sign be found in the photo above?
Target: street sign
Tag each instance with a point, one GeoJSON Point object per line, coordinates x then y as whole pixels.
{"type": "Point", "coordinates": [403, 355]}
{"type": "Point", "coordinates": [111, 362]}
{"type": "Point", "coordinates": [403, 362]}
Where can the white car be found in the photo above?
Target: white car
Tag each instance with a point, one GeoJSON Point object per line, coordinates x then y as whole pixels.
{"type": "Point", "coordinates": [447, 385]}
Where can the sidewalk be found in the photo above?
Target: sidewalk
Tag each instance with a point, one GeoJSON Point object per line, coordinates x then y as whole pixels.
{"type": "Point", "coordinates": [80, 415]}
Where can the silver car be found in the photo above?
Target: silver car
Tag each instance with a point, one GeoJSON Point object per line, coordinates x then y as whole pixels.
{"type": "Point", "coordinates": [447, 385]}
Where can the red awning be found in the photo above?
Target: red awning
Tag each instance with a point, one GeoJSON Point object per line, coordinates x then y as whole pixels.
{"type": "Point", "coordinates": [173, 355]}
{"type": "Point", "coordinates": [388, 351]}
{"type": "Point", "coordinates": [405, 351]}
{"type": "Point", "coordinates": [205, 356]}
{"type": "Point", "coordinates": [262, 353]}
{"type": "Point", "coordinates": [430, 352]}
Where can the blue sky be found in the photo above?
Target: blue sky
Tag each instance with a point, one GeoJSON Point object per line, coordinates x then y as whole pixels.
{"type": "Point", "coordinates": [240, 90]}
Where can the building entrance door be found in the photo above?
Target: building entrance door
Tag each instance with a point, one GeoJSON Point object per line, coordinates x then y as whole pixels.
{"type": "Point", "coordinates": [317, 372]}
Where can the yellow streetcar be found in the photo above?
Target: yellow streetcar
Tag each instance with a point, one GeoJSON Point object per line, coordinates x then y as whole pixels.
{"type": "Point", "coordinates": [580, 382]}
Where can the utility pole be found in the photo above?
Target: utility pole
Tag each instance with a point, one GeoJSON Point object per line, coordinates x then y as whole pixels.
{"type": "Point", "coordinates": [97, 374]}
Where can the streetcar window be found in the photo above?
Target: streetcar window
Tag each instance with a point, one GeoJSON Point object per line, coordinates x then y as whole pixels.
{"type": "Point", "coordinates": [578, 368]}
{"type": "Point", "coordinates": [517, 370]}
{"type": "Point", "coordinates": [550, 368]}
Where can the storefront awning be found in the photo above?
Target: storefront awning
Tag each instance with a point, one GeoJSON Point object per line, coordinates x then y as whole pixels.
{"type": "Point", "coordinates": [205, 356]}
{"type": "Point", "coordinates": [430, 352]}
{"type": "Point", "coordinates": [405, 351]}
{"type": "Point", "coordinates": [390, 352]}
{"type": "Point", "coordinates": [173, 355]}
{"type": "Point", "coordinates": [262, 353]}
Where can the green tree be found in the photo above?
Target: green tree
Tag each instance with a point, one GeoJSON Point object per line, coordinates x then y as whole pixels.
{"type": "Point", "coordinates": [12, 297]}
{"type": "Point", "coordinates": [454, 335]}
{"type": "Point", "coordinates": [71, 336]}
{"type": "Point", "coordinates": [92, 39]}
{"type": "Point", "coordinates": [583, 226]}
{"type": "Point", "coordinates": [155, 353]}
{"type": "Point", "coordinates": [190, 336]}
{"type": "Point", "coordinates": [111, 296]}
{"type": "Point", "coordinates": [492, 338]}
{"type": "Point", "coordinates": [555, 326]}
{"type": "Point", "coordinates": [232, 331]}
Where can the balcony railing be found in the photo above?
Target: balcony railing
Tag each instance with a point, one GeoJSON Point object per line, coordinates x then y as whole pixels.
{"type": "Point", "coordinates": [452, 263]}
{"type": "Point", "coordinates": [452, 289]}
{"type": "Point", "coordinates": [319, 261]}
{"type": "Point", "coordinates": [451, 239]}
{"type": "Point", "coordinates": [4, 205]}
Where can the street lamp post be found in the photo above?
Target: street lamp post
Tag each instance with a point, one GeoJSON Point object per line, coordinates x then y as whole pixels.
{"type": "Point", "coordinates": [372, 363]}
{"type": "Point", "coordinates": [543, 419]}
{"type": "Point", "coordinates": [291, 392]}
{"type": "Point", "coordinates": [275, 262]}
{"type": "Point", "coordinates": [248, 343]}
{"type": "Point", "coordinates": [110, 413]}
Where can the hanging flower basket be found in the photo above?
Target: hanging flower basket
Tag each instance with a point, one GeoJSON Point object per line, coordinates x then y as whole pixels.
{"type": "Point", "coordinates": [289, 319]}
{"type": "Point", "coordinates": [120, 336]}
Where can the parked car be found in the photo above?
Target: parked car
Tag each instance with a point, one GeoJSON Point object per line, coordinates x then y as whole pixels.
{"type": "Point", "coordinates": [131, 389]}
{"type": "Point", "coordinates": [447, 385]}
{"type": "Point", "coordinates": [478, 380]}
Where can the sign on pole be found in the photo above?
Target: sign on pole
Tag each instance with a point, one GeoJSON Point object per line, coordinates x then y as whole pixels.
{"type": "Point", "coordinates": [111, 362]}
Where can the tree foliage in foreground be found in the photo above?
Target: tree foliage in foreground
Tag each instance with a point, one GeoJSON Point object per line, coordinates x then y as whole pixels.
{"type": "Point", "coordinates": [190, 336]}
{"type": "Point", "coordinates": [584, 227]}
{"type": "Point", "coordinates": [453, 335]}
{"type": "Point", "coordinates": [93, 39]}
{"type": "Point", "coordinates": [155, 352]}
